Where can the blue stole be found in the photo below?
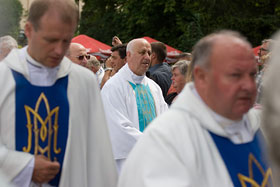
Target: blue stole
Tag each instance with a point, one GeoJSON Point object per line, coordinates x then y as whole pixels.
{"type": "Point", "coordinates": [41, 119]}
{"type": "Point", "coordinates": [145, 104]}
{"type": "Point", "coordinates": [245, 162]}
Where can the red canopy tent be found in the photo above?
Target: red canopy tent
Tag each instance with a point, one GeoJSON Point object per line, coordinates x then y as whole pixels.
{"type": "Point", "coordinates": [171, 52]}
{"type": "Point", "coordinates": [94, 46]}
{"type": "Point", "coordinates": [256, 50]}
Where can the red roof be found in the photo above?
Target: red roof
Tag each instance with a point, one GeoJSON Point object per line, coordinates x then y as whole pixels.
{"type": "Point", "coordinates": [171, 52]}
{"type": "Point", "coordinates": [92, 44]}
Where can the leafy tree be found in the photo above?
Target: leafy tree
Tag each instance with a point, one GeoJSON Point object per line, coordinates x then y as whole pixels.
{"type": "Point", "coordinates": [10, 11]}
{"type": "Point", "coordinates": [179, 23]}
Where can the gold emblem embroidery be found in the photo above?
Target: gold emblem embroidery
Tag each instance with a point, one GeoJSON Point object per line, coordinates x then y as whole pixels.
{"type": "Point", "coordinates": [46, 128]}
{"type": "Point", "coordinates": [250, 180]}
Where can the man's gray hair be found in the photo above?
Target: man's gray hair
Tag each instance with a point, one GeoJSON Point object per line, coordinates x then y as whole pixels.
{"type": "Point", "coordinates": [270, 42]}
{"type": "Point", "coordinates": [93, 61]}
{"type": "Point", "coordinates": [182, 66]}
{"type": "Point", "coordinates": [203, 49]}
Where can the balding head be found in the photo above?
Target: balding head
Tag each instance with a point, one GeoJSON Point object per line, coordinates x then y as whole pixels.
{"type": "Point", "coordinates": [77, 53]}
{"type": "Point", "coordinates": [67, 11]}
{"type": "Point", "coordinates": [224, 74]}
{"type": "Point", "coordinates": [138, 53]}
{"type": "Point", "coordinates": [203, 49]}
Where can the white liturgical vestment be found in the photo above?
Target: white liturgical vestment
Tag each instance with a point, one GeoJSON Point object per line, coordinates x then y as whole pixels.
{"type": "Point", "coordinates": [177, 149]}
{"type": "Point", "coordinates": [121, 109]}
{"type": "Point", "coordinates": [88, 159]}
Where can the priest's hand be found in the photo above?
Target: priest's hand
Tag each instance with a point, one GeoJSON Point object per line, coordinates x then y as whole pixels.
{"type": "Point", "coordinates": [44, 170]}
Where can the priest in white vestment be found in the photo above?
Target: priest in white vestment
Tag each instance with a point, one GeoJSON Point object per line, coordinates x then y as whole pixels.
{"type": "Point", "coordinates": [210, 137]}
{"type": "Point", "coordinates": [131, 100]}
{"type": "Point", "coordinates": [52, 124]}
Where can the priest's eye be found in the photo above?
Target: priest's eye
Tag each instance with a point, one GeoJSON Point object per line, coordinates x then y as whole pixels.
{"type": "Point", "coordinates": [144, 52]}
{"type": "Point", "coordinates": [235, 74]}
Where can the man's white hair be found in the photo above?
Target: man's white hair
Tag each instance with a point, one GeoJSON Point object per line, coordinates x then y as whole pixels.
{"type": "Point", "coordinates": [130, 45]}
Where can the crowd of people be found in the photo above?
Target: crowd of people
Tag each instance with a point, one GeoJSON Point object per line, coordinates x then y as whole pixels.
{"type": "Point", "coordinates": [67, 119]}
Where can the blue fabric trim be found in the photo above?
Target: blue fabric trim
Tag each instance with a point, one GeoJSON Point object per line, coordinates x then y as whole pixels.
{"type": "Point", "coordinates": [145, 104]}
{"type": "Point", "coordinates": [237, 157]}
{"type": "Point", "coordinates": [51, 133]}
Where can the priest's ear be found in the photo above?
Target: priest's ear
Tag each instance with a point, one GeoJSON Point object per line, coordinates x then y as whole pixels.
{"type": "Point", "coordinates": [28, 28]}
{"type": "Point", "coordinates": [200, 75]}
{"type": "Point", "coordinates": [128, 54]}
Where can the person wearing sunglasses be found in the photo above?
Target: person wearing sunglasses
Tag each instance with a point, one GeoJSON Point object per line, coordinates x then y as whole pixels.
{"type": "Point", "coordinates": [77, 53]}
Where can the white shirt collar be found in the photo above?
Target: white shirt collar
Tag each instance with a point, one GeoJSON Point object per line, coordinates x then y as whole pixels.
{"type": "Point", "coordinates": [238, 131]}
{"type": "Point", "coordinates": [39, 74]}
{"type": "Point", "coordinates": [136, 78]}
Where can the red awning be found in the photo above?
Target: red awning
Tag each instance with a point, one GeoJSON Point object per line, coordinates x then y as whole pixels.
{"type": "Point", "coordinates": [93, 45]}
{"type": "Point", "coordinates": [171, 52]}
{"type": "Point", "coordinates": [256, 50]}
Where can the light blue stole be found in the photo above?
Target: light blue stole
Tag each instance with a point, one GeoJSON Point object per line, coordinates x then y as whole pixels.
{"type": "Point", "coordinates": [145, 104]}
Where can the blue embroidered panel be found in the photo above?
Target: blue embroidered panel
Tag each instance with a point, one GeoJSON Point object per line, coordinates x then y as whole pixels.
{"type": "Point", "coordinates": [42, 116]}
{"type": "Point", "coordinates": [245, 163]}
{"type": "Point", "coordinates": [145, 104]}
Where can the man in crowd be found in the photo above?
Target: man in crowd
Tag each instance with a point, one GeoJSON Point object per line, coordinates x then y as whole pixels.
{"type": "Point", "coordinates": [94, 65]}
{"type": "Point", "coordinates": [77, 53]}
{"type": "Point", "coordinates": [159, 71]}
{"type": "Point", "coordinates": [264, 55]}
{"type": "Point", "coordinates": [209, 137]}
{"type": "Point", "coordinates": [131, 100]}
{"type": "Point", "coordinates": [53, 130]}
{"type": "Point", "coordinates": [265, 47]}
{"type": "Point", "coordinates": [118, 60]}
{"type": "Point", "coordinates": [7, 43]}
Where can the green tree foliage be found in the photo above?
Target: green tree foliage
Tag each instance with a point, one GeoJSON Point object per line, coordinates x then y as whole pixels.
{"type": "Point", "coordinates": [179, 23]}
{"type": "Point", "coordinates": [10, 15]}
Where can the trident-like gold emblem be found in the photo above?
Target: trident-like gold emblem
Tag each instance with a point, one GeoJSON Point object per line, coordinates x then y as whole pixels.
{"type": "Point", "coordinates": [46, 128]}
{"type": "Point", "coordinates": [250, 179]}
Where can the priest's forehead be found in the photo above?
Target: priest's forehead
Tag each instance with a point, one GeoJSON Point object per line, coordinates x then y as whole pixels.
{"type": "Point", "coordinates": [136, 45]}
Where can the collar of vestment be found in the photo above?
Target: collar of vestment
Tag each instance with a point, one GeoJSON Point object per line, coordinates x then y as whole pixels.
{"type": "Point", "coordinates": [39, 74]}
{"type": "Point", "coordinates": [237, 131]}
{"type": "Point", "coordinates": [136, 78]}
{"type": "Point", "coordinates": [17, 60]}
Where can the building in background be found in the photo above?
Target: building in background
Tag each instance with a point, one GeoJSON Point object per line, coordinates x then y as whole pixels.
{"type": "Point", "coordinates": [26, 4]}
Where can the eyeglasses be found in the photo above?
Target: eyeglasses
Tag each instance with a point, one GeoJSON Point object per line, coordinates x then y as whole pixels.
{"type": "Point", "coordinates": [83, 56]}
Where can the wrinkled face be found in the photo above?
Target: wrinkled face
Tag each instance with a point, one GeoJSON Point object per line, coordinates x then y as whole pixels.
{"type": "Point", "coordinates": [90, 64]}
{"type": "Point", "coordinates": [49, 43]}
{"type": "Point", "coordinates": [178, 80]}
{"type": "Point", "coordinates": [230, 80]}
{"type": "Point", "coordinates": [263, 49]}
{"type": "Point", "coordinates": [140, 58]}
{"type": "Point", "coordinates": [78, 54]}
{"type": "Point", "coordinates": [117, 62]}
